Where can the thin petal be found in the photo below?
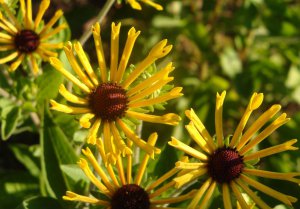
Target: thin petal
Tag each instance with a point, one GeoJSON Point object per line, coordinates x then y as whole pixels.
{"type": "Point", "coordinates": [239, 195]}
{"type": "Point", "coordinates": [72, 196]}
{"type": "Point", "coordinates": [151, 150]}
{"type": "Point", "coordinates": [174, 93]}
{"type": "Point", "coordinates": [83, 164]}
{"type": "Point", "coordinates": [187, 149]}
{"type": "Point", "coordinates": [170, 200]}
{"type": "Point", "coordinates": [253, 196]}
{"type": "Point", "coordinates": [85, 120]}
{"type": "Point", "coordinates": [114, 50]}
{"type": "Point", "coordinates": [151, 89]}
{"type": "Point", "coordinates": [134, 4]}
{"type": "Point", "coordinates": [162, 179]}
{"type": "Point", "coordinates": [272, 150]}
{"type": "Point", "coordinates": [16, 63]}
{"type": "Point", "coordinates": [132, 36]}
{"type": "Point", "coordinates": [9, 27]}
{"type": "Point", "coordinates": [68, 109]}
{"type": "Point", "coordinates": [265, 133]}
{"type": "Point", "coordinates": [34, 65]}
{"type": "Point", "coordinates": [28, 14]}
{"type": "Point", "coordinates": [88, 153]}
{"type": "Point", "coordinates": [85, 62]}
{"type": "Point", "coordinates": [218, 118]}
{"type": "Point", "coordinates": [56, 30]}
{"type": "Point", "coordinates": [71, 97]}
{"type": "Point", "coordinates": [121, 146]}
{"type": "Point", "coordinates": [158, 51]}
{"type": "Point", "coordinates": [267, 190]}
{"type": "Point", "coordinates": [162, 189]}
{"type": "Point", "coordinates": [169, 119]}
{"type": "Point", "coordinates": [43, 7]}
{"type": "Point", "coordinates": [153, 79]}
{"type": "Point", "coordinates": [121, 170]}
{"type": "Point", "coordinates": [11, 16]}
{"type": "Point", "coordinates": [52, 21]}
{"type": "Point", "coordinates": [189, 166]}
{"type": "Point", "coordinates": [152, 4]}
{"type": "Point", "coordinates": [57, 64]}
{"type": "Point", "coordinates": [189, 177]}
{"type": "Point", "coordinates": [201, 128]}
{"type": "Point", "coordinates": [9, 57]}
{"type": "Point", "coordinates": [208, 195]}
{"type": "Point", "coordinates": [151, 141]}
{"type": "Point", "coordinates": [99, 51]}
{"type": "Point", "coordinates": [226, 196]}
{"type": "Point", "coordinates": [199, 194]}
{"type": "Point", "coordinates": [273, 175]}
{"type": "Point", "coordinates": [198, 138]}
{"type": "Point", "coordinates": [258, 124]}
{"type": "Point", "coordinates": [92, 136]}
{"type": "Point", "coordinates": [72, 60]}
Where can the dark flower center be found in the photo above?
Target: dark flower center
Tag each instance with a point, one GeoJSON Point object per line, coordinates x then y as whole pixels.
{"type": "Point", "coordinates": [27, 41]}
{"type": "Point", "coordinates": [130, 196]}
{"type": "Point", "coordinates": [225, 164]}
{"type": "Point", "coordinates": [109, 101]}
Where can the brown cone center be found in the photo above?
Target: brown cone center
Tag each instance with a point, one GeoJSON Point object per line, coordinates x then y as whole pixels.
{"type": "Point", "coordinates": [27, 41]}
{"type": "Point", "coordinates": [108, 101]}
{"type": "Point", "coordinates": [130, 196]}
{"type": "Point", "coordinates": [225, 164]}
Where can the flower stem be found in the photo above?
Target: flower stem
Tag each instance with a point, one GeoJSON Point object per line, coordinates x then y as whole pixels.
{"type": "Point", "coordinates": [99, 19]}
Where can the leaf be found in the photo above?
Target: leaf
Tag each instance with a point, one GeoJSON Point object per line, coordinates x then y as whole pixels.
{"type": "Point", "coordinates": [230, 62]}
{"type": "Point", "coordinates": [15, 186]}
{"type": "Point", "coordinates": [48, 83]}
{"type": "Point", "coordinates": [56, 150]}
{"type": "Point", "coordinates": [76, 177]}
{"type": "Point", "coordinates": [40, 202]}
{"type": "Point", "coordinates": [25, 154]}
{"type": "Point", "coordinates": [9, 118]}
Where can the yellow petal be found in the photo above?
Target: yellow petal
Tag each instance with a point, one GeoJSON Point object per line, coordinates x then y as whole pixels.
{"type": "Point", "coordinates": [169, 119]}
{"type": "Point", "coordinates": [43, 7]}
{"type": "Point", "coordinates": [187, 149]}
{"type": "Point", "coordinates": [218, 118]}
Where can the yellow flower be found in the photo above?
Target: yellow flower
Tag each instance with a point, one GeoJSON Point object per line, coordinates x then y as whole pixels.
{"type": "Point", "coordinates": [109, 102]}
{"type": "Point", "coordinates": [27, 37]}
{"type": "Point", "coordinates": [122, 191]}
{"type": "Point", "coordinates": [136, 5]}
{"type": "Point", "coordinates": [230, 165]}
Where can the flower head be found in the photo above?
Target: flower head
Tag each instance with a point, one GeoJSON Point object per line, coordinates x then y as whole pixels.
{"type": "Point", "coordinates": [136, 5]}
{"type": "Point", "coordinates": [123, 191]}
{"type": "Point", "coordinates": [28, 37]}
{"type": "Point", "coordinates": [109, 102]}
{"type": "Point", "coordinates": [231, 164]}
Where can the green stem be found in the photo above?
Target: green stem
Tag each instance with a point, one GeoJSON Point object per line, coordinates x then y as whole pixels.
{"type": "Point", "coordinates": [99, 19]}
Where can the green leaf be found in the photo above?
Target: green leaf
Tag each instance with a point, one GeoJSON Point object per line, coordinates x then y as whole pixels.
{"type": "Point", "coordinates": [15, 186]}
{"type": "Point", "coordinates": [56, 150]}
{"type": "Point", "coordinates": [76, 177]}
{"type": "Point", "coordinates": [230, 62]}
{"type": "Point", "coordinates": [26, 155]}
{"type": "Point", "coordinates": [48, 83]}
{"type": "Point", "coordinates": [40, 202]}
{"type": "Point", "coordinates": [9, 118]}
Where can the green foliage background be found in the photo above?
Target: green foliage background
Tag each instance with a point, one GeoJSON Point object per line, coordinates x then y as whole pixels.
{"type": "Point", "coordinates": [241, 46]}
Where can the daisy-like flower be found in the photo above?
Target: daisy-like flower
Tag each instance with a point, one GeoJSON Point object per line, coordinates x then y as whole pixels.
{"type": "Point", "coordinates": [136, 5]}
{"type": "Point", "coordinates": [231, 165]}
{"type": "Point", "coordinates": [110, 102]}
{"type": "Point", "coordinates": [28, 37]}
{"type": "Point", "coordinates": [122, 191]}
